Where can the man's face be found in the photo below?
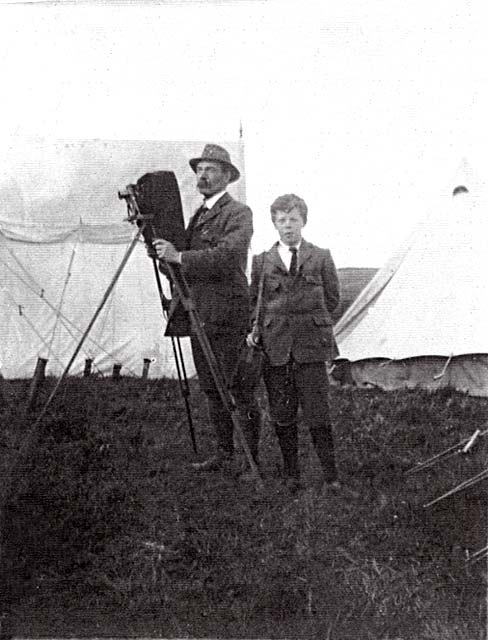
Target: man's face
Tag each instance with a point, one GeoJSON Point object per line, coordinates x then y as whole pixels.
{"type": "Point", "coordinates": [289, 226]}
{"type": "Point", "coordinates": [212, 178]}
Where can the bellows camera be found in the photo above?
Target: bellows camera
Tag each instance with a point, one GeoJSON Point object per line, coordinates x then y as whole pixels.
{"type": "Point", "coordinates": [155, 202]}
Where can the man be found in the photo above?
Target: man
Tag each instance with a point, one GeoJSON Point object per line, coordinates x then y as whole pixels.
{"type": "Point", "coordinates": [214, 265]}
{"type": "Point", "coordinates": [300, 291]}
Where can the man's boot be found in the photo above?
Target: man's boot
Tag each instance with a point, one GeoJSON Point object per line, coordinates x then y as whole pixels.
{"type": "Point", "coordinates": [251, 428]}
{"type": "Point", "coordinates": [288, 441]}
{"type": "Point", "coordinates": [218, 461]}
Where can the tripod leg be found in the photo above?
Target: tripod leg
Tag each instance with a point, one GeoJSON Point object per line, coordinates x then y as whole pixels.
{"type": "Point", "coordinates": [32, 434]}
{"type": "Point", "coordinates": [179, 361]}
{"type": "Point", "coordinates": [226, 396]}
{"type": "Point", "coordinates": [184, 390]}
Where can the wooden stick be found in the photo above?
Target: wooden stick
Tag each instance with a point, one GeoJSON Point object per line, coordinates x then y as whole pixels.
{"type": "Point", "coordinates": [13, 476]}
{"type": "Point", "coordinates": [478, 555]}
{"type": "Point", "coordinates": [463, 485]}
{"type": "Point", "coordinates": [430, 461]}
{"type": "Point", "coordinates": [36, 383]}
{"type": "Point", "coordinates": [145, 368]}
{"type": "Point", "coordinates": [3, 401]}
{"type": "Point", "coordinates": [471, 441]}
{"type": "Point", "coordinates": [87, 369]}
{"type": "Point", "coordinates": [479, 552]}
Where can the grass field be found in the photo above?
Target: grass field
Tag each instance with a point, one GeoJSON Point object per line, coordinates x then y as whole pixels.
{"type": "Point", "coordinates": [112, 533]}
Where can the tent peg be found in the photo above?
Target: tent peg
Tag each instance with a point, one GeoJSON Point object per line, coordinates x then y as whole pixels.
{"type": "Point", "coordinates": [36, 383]}
{"type": "Point", "coordinates": [87, 369]}
{"type": "Point", "coordinates": [145, 368]}
{"type": "Point", "coordinates": [3, 401]}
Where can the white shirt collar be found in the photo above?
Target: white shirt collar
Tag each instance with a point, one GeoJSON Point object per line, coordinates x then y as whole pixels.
{"type": "Point", "coordinates": [209, 202]}
{"type": "Point", "coordinates": [285, 253]}
{"type": "Point", "coordinates": [287, 247]}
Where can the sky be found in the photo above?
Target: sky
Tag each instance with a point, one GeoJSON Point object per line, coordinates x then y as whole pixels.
{"type": "Point", "coordinates": [364, 109]}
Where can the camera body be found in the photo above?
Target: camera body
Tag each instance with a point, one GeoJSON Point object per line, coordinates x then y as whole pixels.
{"type": "Point", "coordinates": [158, 206]}
{"type": "Point", "coordinates": [154, 203]}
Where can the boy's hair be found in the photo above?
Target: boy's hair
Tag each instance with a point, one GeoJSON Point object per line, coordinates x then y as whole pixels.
{"type": "Point", "coordinates": [288, 202]}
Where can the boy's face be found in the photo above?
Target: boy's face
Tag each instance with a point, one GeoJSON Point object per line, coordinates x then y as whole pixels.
{"type": "Point", "coordinates": [289, 225]}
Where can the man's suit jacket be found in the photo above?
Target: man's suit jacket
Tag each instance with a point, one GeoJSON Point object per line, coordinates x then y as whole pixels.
{"type": "Point", "coordinates": [214, 265]}
{"type": "Point", "coordinates": [296, 319]}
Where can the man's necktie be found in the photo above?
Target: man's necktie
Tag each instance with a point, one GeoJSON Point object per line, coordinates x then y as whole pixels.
{"type": "Point", "coordinates": [293, 263]}
{"type": "Point", "coordinates": [201, 213]}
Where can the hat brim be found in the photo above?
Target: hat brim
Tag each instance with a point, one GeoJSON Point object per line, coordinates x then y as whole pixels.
{"type": "Point", "coordinates": [234, 171]}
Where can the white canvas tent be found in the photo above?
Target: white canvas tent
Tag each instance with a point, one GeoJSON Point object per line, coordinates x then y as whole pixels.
{"type": "Point", "coordinates": [62, 237]}
{"type": "Point", "coordinates": [422, 320]}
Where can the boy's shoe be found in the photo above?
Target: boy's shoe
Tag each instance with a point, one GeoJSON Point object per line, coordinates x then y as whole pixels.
{"type": "Point", "coordinates": [218, 461]}
{"type": "Point", "coordinates": [292, 484]}
{"type": "Point", "coordinates": [336, 487]}
{"type": "Point", "coordinates": [247, 476]}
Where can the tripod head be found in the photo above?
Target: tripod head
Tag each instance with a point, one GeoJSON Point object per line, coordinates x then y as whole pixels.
{"type": "Point", "coordinates": [154, 203]}
{"type": "Point", "coordinates": [128, 192]}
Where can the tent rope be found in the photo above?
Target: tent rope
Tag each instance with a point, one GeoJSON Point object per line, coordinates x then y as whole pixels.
{"type": "Point", "coordinates": [67, 323]}
{"type": "Point", "coordinates": [32, 326]}
{"type": "Point", "coordinates": [440, 375]}
{"type": "Point", "coordinates": [58, 310]}
{"type": "Point", "coordinates": [104, 319]}
{"type": "Point", "coordinates": [464, 446]}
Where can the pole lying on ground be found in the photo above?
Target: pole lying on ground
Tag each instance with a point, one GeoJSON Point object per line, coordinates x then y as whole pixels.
{"type": "Point", "coordinates": [461, 447]}
{"type": "Point", "coordinates": [462, 485]}
{"type": "Point", "coordinates": [478, 555]}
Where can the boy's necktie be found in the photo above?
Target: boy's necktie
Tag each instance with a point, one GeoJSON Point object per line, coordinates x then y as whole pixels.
{"type": "Point", "coordinates": [294, 260]}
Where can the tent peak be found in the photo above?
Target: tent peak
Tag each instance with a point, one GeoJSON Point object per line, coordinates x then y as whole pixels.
{"type": "Point", "coordinates": [464, 176]}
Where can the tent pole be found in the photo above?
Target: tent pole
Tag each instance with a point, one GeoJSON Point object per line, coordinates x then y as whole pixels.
{"type": "Point", "coordinates": [14, 478]}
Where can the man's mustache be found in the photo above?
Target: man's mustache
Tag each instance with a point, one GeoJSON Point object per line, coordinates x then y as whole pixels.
{"type": "Point", "coordinates": [202, 182]}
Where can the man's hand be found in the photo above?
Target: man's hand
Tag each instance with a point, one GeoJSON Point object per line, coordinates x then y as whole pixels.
{"type": "Point", "coordinates": [166, 251]}
{"type": "Point", "coordinates": [252, 339]}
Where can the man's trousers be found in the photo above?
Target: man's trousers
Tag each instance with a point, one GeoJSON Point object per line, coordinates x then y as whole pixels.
{"type": "Point", "coordinates": [226, 349]}
{"type": "Point", "coordinates": [305, 385]}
